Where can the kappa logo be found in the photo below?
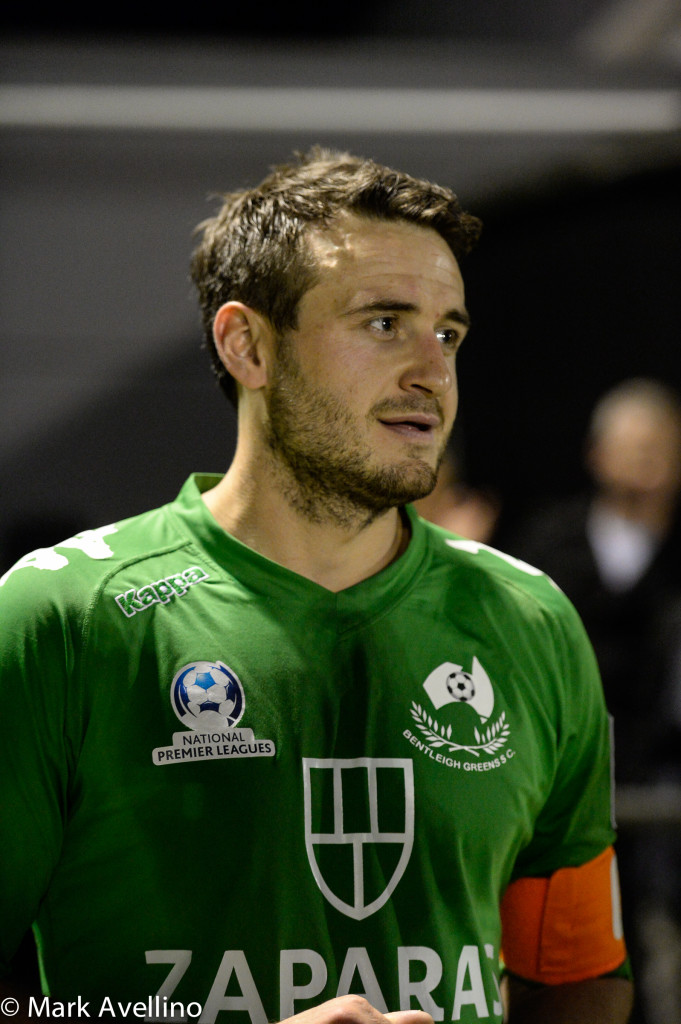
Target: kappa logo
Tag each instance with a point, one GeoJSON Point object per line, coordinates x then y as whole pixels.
{"type": "Point", "coordinates": [351, 804]}
{"type": "Point", "coordinates": [160, 592]}
{"type": "Point", "coordinates": [450, 684]}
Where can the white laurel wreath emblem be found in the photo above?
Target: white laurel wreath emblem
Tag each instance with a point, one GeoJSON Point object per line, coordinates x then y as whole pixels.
{"type": "Point", "coordinates": [494, 737]}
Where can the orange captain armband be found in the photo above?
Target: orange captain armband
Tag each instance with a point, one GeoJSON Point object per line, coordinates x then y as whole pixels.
{"type": "Point", "coordinates": [567, 927]}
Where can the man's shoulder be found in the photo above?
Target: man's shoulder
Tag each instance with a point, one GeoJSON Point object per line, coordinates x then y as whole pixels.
{"type": "Point", "coordinates": [482, 567]}
{"type": "Point", "coordinates": [68, 574]}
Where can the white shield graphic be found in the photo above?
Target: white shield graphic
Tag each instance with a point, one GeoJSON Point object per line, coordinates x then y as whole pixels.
{"type": "Point", "coordinates": [358, 909]}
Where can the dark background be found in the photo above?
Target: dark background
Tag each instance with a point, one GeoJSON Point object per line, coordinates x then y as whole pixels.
{"type": "Point", "coordinates": [106, 399]}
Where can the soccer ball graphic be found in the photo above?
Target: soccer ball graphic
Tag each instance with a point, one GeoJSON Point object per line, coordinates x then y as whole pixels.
{"type": "Point", "coordinates": [207, 695]}
{"type": "Point", "coordinates": [461, 686]}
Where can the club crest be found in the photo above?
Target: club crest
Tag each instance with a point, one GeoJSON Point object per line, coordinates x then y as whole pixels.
{"type": "Point", "coordinates": [359, 828]}
{"type": "Point", "coordinates": [450, 736]}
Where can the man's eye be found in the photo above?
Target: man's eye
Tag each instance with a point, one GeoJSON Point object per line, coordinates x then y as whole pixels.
{"type": "Point", "coordinates": [448, 336]}
{"type": "Point", "coordinates": [384, 324]}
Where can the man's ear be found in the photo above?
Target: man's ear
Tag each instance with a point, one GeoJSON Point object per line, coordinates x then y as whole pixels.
{"type": "Point", "coordinates": [242, 338]}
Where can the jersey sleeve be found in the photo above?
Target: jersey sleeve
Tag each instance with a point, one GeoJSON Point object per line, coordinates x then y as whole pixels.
{"type": "Point", "coordinates": [36, 662]}
{"type": "Point", "coordinates": [576, 822]}
{"type": "Point", "coordinates": [561, 914]}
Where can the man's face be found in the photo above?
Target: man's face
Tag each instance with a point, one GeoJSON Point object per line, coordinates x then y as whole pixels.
{"type": "Point", "coordinates": [363, 395]}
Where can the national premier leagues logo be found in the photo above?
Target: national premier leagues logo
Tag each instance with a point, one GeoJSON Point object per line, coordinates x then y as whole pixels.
{"type": "Point", "coordinates": [208, 699]}
{"type": "Point", "coordinates": [207, 695]}
{"type": "Point", "coordinates": [477, 742]}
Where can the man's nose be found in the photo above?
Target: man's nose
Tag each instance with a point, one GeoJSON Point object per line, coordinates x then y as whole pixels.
{"type": "Point", "coordinates": [429, 368]}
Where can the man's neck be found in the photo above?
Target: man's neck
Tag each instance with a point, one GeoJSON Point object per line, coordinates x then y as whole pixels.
{"type": "Point", "coordinates": [249, 505]}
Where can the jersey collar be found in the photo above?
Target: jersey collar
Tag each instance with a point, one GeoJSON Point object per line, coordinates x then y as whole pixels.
{"type": "Point", "coordinates": [267, 579]}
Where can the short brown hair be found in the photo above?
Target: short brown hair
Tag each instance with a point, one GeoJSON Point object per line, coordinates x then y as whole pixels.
{"type": "Point", "coordinates": [254, 250]}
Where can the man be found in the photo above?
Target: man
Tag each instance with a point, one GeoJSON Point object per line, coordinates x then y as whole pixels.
{"type": "Point", "coordinates": [280, 747]}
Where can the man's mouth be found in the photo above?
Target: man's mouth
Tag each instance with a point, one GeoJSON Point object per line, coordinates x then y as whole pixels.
{"type": "Point", "coordinates": [411, 424]}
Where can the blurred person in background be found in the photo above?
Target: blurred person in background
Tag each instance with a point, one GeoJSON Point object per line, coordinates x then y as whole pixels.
{"type": "Point", "coordinates": [616, 552]}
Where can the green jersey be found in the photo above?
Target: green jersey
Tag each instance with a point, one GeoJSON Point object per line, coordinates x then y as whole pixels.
{"type": "Point", "coordinates": [230, 791]}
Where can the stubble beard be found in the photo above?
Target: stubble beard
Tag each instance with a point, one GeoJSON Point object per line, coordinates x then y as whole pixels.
{"type": "Point", "coordinates": [323, 464]}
